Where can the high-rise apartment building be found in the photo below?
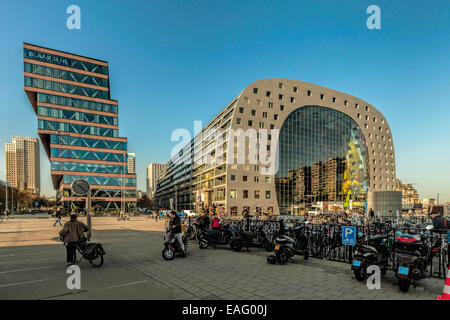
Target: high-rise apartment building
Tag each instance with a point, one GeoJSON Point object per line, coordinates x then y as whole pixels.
{"type": "Point", "coordinates": [78, 127]}
{"type": "Point", "coordinates": [22, 164]}
{"type": "Point", "coordinates": [153, 170]}
{"type": "Point", "coordinates": [131, 163]}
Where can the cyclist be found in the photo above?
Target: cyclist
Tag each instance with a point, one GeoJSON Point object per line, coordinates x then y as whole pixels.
{"type": "Point", "coordinates": [73, 232]}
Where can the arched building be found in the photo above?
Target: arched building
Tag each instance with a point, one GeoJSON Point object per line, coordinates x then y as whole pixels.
{"type": "Point", "coordinates": [329, 147]}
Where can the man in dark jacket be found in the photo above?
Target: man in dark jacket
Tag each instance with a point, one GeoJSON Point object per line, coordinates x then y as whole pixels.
{"type": "Point", "coordinates": [175, 228]}
{"type": "Point", "coordinates": [72, 232]}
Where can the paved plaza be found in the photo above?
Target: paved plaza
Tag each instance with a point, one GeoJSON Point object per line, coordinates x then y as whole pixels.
{"type": "Point", "coordinates": [32, 266]}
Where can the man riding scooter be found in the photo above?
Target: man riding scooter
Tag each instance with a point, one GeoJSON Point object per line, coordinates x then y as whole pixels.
{"type": "Point", "coordinates": [175, 229]}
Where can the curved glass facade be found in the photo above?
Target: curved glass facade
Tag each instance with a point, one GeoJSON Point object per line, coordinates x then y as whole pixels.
{"type": "Point", "coordinates": [322, 157]}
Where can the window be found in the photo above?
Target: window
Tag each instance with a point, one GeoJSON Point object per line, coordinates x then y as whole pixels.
{"type": "Point", "coordinates": [257, 194]}
{"type": "Point", "coordinates": [253, 112]}
{"type": "Point", "coordinates": [281, 107]}
{"type": "Point", "coordinates": [280, 97]}
{"type": "Point", "coordinates": [244, 178]}
{"type": "Point", "coordinates": [261, 125]}
{"type": "Point", "coordinates": [267, 93]}
{"type": "Point", "coordinates": [275, 117]}
{"type": "Point", "coordinates": [264, 114]}
{"type": "Point", "coordinates": [356, 106]}
{"type": "Point", "coordinates": [321, 96]}
{"type": "Point", "coordinates": [238, 120]}
{"type": "Point", "coordinates": [256, 179]}
{"type": "Point", "coordinates": [295, 89]}
{"type": "Point", "coordinates": [233, 193]}
{"type": "Point", "coordinates": [255, 90]}
{"type": "Point", "coordinates": [267, 194]}
{"type": "Point", "coordinates": [280, 85]}
{"type": "Point", "coordinates": [267, 179]}
{"type": "Point", "coordinates": [272, 126]}
{"type": "Point", "coordinates": [292, 99]}
{"type": "Point", "coordinates": [359, 116]}
{"type": "Point", "coordinates": [270, 105]}
{"type": "Point", "coordinates": [233, 177]}
{"type": "Point", "coordinates": [309, 93]}
{"type": "Point", "coordinates": [245, 194]}
{"type": "Point", "coordinates": [256, 167]}
{"type": "Point", "coordinates": [334, 99]}
{"type": "Point", "coordinates": [345, 102]}
{"type": "Point", "coordinates": [367, 108]}
{"type": "Point", "coordinates": [241, 110]}
{"type": "Point", "coordinates": [250, 123]}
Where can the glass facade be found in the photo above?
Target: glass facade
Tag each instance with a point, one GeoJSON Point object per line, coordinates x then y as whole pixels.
{"type": "Point", "coordinates": [77, 128]}
{"type": "Point", "coordinates": [98, 180]}
{"type": "Point", "coordinates": [86, 167]}
{"type": "Point", "coordinates": [65, 88]}
{"type": "Point", "coordinates": [322, 157]}
{"type": "Point", "coordinates": [76, 103]}
{"type": "Point", "coordinates": [63, 61]}
{"type": "Point", "coordinates": [75, 115]}
{"type": "Point", "coordinates": [86, 154]}
{"type": "Point", "coordinates": [87, 142]}
{"type": "Point", "coordinates": [65, 75]}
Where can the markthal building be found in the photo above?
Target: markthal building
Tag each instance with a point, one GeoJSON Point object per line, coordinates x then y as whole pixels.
{"type": "Point", "coordinates": [78, 127]}
{"type": "Point", "coordinates": [322, 146]}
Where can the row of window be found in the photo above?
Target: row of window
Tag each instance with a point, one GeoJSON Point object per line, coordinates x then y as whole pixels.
{"type": "Point", "coordinates": [245, 194]}
{"type": "Point", "coordinates": [77, 128]}
{"type": "Point", "coordinates": [86, 167]}
{"type": "Point", "coordinates": [104, 193]}
{"type": "Point", "coordinates": [245, 178]}
{"type": "Point", "coordinates": [87, 142]}
{"type": "Point", "coordinates": [65, 75]}
{"type": "Point", "coordinates": [105, 181]}
{"type": "Point", "coordinates": [63, 61]}
{"type": "Point", "coordinates": [75, 115]}
{"type": "Point", "coordinates": [89, 155]}
{"type": "Point", "coordinates": [66, 88]}
{"type": "Point", "coordinates": [76, 103]}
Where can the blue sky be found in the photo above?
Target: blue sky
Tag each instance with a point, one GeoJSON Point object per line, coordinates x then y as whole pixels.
{"type": "Point", "coordinates": [173, 62]}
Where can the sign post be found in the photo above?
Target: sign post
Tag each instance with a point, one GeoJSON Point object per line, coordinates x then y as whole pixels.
{"type": "Point", "coordinates": [82, 188]}
{"type": "Point", "coordinates": [349, 238]}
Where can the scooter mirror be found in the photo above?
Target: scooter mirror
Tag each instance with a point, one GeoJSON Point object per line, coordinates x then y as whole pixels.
{"type": "Point", "coordinates": [360, 234]}
{"type": "Point", "coordinates": [429, 227]}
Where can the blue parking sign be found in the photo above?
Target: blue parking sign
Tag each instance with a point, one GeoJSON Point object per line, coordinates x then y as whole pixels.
{"type": "Point", "coordinates": [448, 237]}
{"type": "Point", "coordinates": [348, 236]}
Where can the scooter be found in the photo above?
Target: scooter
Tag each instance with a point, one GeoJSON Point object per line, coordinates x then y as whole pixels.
{"type": "Point", "coordinates": [286, 247]}
{"type": "Point", "coordinates": [225, 235]}
{"type": "Point", "coordinates": [375, 253]}
{"type": "Point", "coordinates": [172, 247]}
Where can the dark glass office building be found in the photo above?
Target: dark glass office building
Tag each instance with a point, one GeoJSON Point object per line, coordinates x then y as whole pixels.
{"type": "Point", "coordinates": [78, 127]}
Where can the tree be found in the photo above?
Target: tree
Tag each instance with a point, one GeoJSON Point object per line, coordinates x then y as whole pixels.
{"type": "Point", "coordinates": [145, 202]}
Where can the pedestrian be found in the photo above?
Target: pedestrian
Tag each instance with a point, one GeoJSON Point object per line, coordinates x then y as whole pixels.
{"type": "Point", "coordinates": [371, 213]}
{"type": "Point", "coordinates": [216, 223]}
{"type": "Point", "coordinates": [156, 216]}
{"type": "Point", "coordinates": [58, 218]}
{"type": "Point", "coordinates": [73, 232]}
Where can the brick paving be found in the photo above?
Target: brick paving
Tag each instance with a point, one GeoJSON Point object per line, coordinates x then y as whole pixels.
{"type": "Point", "coordinates": [134, 269]}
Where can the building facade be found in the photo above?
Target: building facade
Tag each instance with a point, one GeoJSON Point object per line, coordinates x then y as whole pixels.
{"type": "Point", "coordinates": [153, 171]}
{"type": "Point", "coordinates": [78, 126]}
{"type": "Point", "coordinates": [23, 164]}
{"type": "Point", "coordinates": [131, 163]}
{"type": "Point", "coordinates": [409, 193]}
{"type": "Point", "coordinates": [313, 144]}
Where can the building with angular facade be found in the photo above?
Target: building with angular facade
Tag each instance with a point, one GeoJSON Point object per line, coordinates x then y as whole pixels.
{"type": "Point", "coordinates": [78, 126]}
{"type": "Point", "coordinates": [313, 144]}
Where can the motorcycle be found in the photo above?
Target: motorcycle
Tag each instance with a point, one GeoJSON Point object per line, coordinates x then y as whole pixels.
{"type": "Point", "coordinates": [172, 247]}
{"type": "Point", "coordinates": [225, 235]}
{"type": "Point", "coordinates": [286, 247]}
{"type": "Point", "coordinates": [375, 253]}
{"type": "Point", "coordinates": [257, 239]}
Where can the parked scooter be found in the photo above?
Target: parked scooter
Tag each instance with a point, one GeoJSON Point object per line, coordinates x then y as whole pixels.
{"type": "Point", "coordinates": [286, 247]}
{"type": "Point", "coordinates": [412, 256]}
{"type": "Point", "coordinates": [375, 253]}
{"type": "Point", "coordinates": [225, 235]}
{"type": "Point", "coordinates": [172, 247]}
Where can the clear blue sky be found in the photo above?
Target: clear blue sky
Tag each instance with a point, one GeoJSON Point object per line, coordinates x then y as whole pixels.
{"type": "Point", "coordinates": [173, 62]}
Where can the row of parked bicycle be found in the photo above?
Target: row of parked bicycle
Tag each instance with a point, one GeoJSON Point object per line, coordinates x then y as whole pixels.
{"type": "Point", "coordinates": [412, 250]}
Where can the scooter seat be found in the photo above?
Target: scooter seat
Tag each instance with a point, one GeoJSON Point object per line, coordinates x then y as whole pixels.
{"type": "Point", "coordinates": [369, 248]}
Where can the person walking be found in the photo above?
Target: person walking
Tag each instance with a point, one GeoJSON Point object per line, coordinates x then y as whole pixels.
{"type": "Point", "coordinates": [73, 232]}
{"type": "Point", "coordinates": [156, 216]}
{"type": "Point", "coordinates": [58, 218]}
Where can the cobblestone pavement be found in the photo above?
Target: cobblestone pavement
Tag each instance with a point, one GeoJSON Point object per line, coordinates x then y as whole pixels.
{"type": "Point", "coordinates": [135, 269]}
